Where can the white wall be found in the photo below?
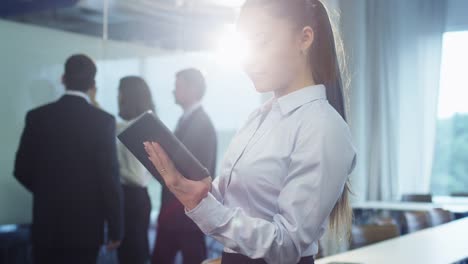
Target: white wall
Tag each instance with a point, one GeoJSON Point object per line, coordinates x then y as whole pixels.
{"type": "Point", "coordinates": [31, 66]}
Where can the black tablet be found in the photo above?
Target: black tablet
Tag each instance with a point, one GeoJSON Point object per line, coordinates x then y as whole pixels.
{"type": "Point", "coordinates": [149, 128]}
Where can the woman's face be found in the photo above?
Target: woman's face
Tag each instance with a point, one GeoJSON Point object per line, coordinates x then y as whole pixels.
{"type": "Point", "coordinates": [180, 92]}
{"type": "Point", "coordinates": [275, 49]}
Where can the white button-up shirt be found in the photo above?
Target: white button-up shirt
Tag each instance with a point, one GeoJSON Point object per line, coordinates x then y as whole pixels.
{"type": "Point", "coordinates": [79, 94]}
{"type": "Point", "coordinates": [282, 175]}
{"type": "Point", "coordinates": [132, 172]}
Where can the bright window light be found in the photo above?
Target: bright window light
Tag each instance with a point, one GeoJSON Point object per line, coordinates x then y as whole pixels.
{"type": "Point", "coordinates": [232, 47]}
{"type": "Point", "coordinates": [453, 93]}
{"type": "Point", "coordinates": [450, 168]}
{"type": "Point", "coordinates": [229, 3]}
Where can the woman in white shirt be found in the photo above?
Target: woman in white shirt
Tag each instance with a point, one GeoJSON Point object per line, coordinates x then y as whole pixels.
{"type": "Point", "coordinates": [284, 177]}
{"type": "Point", "coordinates": [134, 99]}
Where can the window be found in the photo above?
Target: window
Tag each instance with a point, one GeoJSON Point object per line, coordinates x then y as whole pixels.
{"type": "Point", "coordinates": [450, 166]}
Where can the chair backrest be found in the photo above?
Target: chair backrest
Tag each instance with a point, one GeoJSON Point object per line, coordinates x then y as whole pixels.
{"type": "Point", "coordinates": [415, 220]}
{"type": "Point", "coordinates": [384, 220]}
{"type": "Point", "coordinates": [363, 235]}
{"type": "Point", "coordinates": [420, 198]}
{"type": "Point", "coordinates": [212, 261]}
{"type": "Point", "coordinates": [440, 216]}
{"type": "Point", "coordinates": [459, 194]}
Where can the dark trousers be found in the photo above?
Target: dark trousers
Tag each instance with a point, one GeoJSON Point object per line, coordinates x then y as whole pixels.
{"type": "Point", "coordinates": [169, 241]}
{"type": "Point", "coordinates": [137, 208]}
{"type": "Point", "coordinates": [230, 258]}
{"type": "Point", "coordinates": [45, 255]}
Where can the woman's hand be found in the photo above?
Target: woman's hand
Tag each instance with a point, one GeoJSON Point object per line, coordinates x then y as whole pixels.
{"type": "Point", "coordinates": [189, 192]}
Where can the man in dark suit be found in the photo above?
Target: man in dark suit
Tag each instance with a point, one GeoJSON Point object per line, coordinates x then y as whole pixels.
{"type": "Point", "coordinates": [176, 232]}
{"type": "Point", "coordinates": [67, 159]}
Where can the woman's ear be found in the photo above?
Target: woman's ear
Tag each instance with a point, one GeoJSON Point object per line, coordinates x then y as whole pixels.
{"type": "Point", "coordinates": [307, 39]}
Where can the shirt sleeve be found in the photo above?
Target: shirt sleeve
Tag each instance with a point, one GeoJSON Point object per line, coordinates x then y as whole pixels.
{"type": "Point", "coordinates": [319, 167]}
{"type": "Point", "coordinates": [26, 156]}
{"type": "Point", "coordinates": [215, 189]}
{"type": "Point", "coordinates": [108, 171]}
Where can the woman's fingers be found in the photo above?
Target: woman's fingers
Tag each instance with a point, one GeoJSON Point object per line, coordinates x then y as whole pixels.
{"type": "Point", "coordinates": [163, 157]}
{"type": "Point", "coordinates": [153, 156]}
{"type": "Point", "coordinates": [163, 163]}
{"type": "Point", "coordinates": [189, 193]}
{"type": "Point", "coordinates": [149, 149]}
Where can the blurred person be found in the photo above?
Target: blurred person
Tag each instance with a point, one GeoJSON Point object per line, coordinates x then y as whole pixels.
{"type": "Point", "coordinates": [67, 159]}
{"type": "Point", "coordinates": [134, 99]}
{"type": "Point", "coordinates": [176, 232]}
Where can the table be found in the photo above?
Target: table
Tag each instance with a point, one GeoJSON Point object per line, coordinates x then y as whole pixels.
{"type": "Point", "coordinates": [446, 243]}
{"type": "Point", "coordinates": [455, 207]}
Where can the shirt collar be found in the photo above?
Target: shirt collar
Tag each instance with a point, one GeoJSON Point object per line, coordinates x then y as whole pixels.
{"type": "Point", "coordinates": [300, 97]}
{"type": "Point", "coordinates": [79, 94]}
{"type": "Point", "coordinates": [191, 109]}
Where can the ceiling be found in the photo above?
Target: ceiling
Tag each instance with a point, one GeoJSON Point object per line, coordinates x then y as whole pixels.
{"type": "Point", "coordinates": [168, 24]}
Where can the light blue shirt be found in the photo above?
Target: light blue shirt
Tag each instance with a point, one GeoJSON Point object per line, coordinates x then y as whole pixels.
{"type": "Point", "coordinates": [282, 175]}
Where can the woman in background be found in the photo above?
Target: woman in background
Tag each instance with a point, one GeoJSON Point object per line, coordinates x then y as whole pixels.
{"type": "Point", "coordinates": [134, 99]}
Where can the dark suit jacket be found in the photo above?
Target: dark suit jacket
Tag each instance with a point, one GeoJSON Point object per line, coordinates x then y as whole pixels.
{"type": "Point", "coordinates": [197, 133]}
{"type": "Point", "coordinates": [67, 159]}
